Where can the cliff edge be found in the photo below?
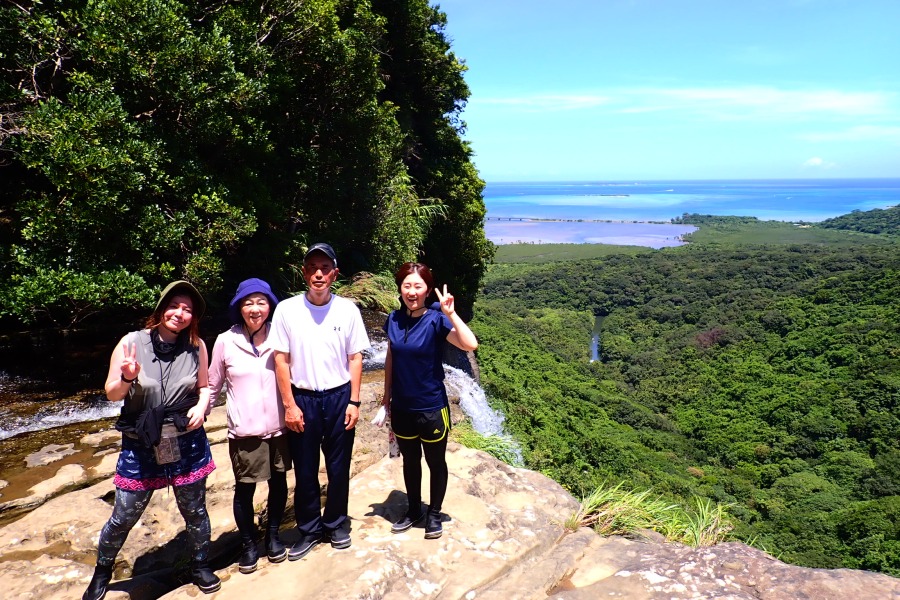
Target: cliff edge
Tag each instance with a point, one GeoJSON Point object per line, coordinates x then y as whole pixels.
{"type": "Point", "coordinates": [504, 539]}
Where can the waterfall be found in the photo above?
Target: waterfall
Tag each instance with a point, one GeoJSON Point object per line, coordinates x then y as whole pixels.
{"type": "Point", "coordinates": [472, 399]}
{"type": "Point", "coordinates": [373, 358]}
{"type": "Point", "coordinates": [57, 414]}
{"type": "Point", "coordinates": [473, 402]}
{"type": "Point", "coordinates": [595, 338]}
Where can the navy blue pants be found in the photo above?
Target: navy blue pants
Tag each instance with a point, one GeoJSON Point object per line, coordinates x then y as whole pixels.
{"type": "Point", "coordinates": [323, 417]}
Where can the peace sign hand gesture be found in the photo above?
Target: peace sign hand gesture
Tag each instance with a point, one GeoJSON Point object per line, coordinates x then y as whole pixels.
{"type": "Point", "coordinates": [130, 365]}
{"type": "Point", "coordinates": [446, 299]}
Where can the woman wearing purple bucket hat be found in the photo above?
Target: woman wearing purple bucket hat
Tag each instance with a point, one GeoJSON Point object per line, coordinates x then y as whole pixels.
{"type": "Point", "coordinates": [243, 359]}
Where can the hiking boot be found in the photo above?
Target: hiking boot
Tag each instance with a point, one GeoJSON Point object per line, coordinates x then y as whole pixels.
{"type": "Point", "coordinates": [204, 578]}
{"type": "Point", "coordinates": [275, 550]}
{"type": "Point", "coordinates": [433, 529]}
{"type": "Point", "coordinates": [411, 518]}
{"type": "Point", "coordinates": [96, 589]}
{"type": "Point", "coordinates": [249, 559]}
{"type": "Point", "coordinates": [303, 547]}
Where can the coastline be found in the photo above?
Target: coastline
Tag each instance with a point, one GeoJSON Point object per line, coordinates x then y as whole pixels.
{"type": "Point", "coordinates": [652, 234]}
{"type": "Point", "coordinates": [789, 201]}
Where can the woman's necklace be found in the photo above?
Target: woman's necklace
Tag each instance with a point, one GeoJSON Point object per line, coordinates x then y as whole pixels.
{"type": "Point", "coordinates": [164, 376]}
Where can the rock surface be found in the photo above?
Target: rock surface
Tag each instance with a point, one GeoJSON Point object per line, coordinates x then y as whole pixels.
{"type": "Point", "coordinates": [503, 539]}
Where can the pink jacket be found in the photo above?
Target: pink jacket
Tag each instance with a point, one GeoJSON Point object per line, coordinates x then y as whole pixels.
{"type": "Point", "coordinates": [251, 400]}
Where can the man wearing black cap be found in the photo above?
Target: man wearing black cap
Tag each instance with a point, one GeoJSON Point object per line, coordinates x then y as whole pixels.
{"type": "Point", "coordinates": [318, 340]}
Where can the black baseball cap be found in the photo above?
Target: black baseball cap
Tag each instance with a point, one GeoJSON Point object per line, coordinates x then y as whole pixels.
{"type": "Point", "coordinates": [325, 249]}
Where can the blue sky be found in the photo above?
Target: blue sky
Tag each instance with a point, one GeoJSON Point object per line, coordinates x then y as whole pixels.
{"type": "Point", "coordinates": [680, 89]}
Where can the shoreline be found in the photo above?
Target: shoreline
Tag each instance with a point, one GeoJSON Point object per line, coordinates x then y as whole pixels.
{"type": "Point", "coordinates": [554, 220]}
{"type": "Point", "coordinates": [504, 231]}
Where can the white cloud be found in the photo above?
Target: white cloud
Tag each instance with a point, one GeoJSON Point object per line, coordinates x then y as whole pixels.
{"type": "Point", "coordinates": [736, 102]}
{"type": "Point", "coordinates": [725, 103]}
{"type": "Point", "coordinates": [862, 133]}
{"type": "Point", "coordinates": [818, 163]}
{"type": "Point", "coordinates": [549, 102]}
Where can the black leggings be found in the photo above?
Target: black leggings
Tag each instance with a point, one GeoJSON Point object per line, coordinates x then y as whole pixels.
{"type": "Point", "coordinates": [245, 516]}
{"type": "Point", "coordinates": [436, 457]}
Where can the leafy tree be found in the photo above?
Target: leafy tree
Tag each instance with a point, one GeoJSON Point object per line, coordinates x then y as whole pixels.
{"type": "Point", "coordinates": [214, 141]}
{"type": "Point", "coordinates": [881, 221]}
{"type": "Point", "coordinates": [424, 81]}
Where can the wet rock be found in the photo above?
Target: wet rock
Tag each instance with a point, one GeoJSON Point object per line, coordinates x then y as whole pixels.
{"type": "Point", "coordinates": [67, 476]}
{"type": "Point", "coordinates": [107, 437]}
{"type": "Point", "coordinates": [49, 454]}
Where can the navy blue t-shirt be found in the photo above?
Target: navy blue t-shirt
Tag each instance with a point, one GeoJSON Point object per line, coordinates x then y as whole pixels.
{"type": "Point", "coordinates": [417, 346]}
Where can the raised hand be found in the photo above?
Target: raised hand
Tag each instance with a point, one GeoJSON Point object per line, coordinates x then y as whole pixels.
{"type": "Point", "coordinates": [446, 300]}
{"type": "Point", "coordinates": [130, 366]}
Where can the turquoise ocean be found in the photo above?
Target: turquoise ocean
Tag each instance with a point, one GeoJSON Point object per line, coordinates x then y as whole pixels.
{"type": "Point", "coordinates": [638, 213]}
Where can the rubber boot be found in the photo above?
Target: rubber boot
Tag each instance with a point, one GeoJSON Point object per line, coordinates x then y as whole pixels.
{"type": "Point", "coordinates": [249, 559]}
{"type": "Point", "coordinates": [204, 578]}
{"type": "Point", "coordinates": [99, 582]}
{"type": "Point", "coordinates": [276, 551]}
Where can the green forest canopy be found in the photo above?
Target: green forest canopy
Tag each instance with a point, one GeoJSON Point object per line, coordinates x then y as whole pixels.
{"type": "Point", "coordinates": [765, 377]}
{"type": "Point", "coordinates": [146, 140]}
{"type": "Point", "coordinates": [883, 221]}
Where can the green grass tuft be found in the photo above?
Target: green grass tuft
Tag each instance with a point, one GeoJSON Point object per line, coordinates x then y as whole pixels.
{"type": "Point", "coordinates": [500, 447]}
{"type": "Point", "coordinates": [614, 511]}
{"type": "Point", "coordinates": [376, 291]}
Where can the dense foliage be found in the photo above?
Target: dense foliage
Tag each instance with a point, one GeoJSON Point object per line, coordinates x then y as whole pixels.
{"type": "Point", "coordinates": [884, 221]}
{"type": "Point", "coordinates": [764, 377]}
{"type": "Point", "coordinates": [144, 140]}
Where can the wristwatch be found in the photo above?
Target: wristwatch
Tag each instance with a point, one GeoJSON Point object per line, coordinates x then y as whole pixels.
{"type": "Point", "coordinates": [355, 403]}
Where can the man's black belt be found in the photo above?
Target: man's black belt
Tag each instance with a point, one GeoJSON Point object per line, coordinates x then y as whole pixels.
{"type": "Point", "coordinates": [318, 393]}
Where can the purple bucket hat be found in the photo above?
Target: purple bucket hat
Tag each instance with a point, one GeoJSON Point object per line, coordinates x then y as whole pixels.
{"type": "Point", "coordinates": [244, 289]}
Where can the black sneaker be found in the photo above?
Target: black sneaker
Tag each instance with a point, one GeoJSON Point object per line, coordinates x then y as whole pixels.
{"type": "Point", "coordinates": [340, 537]}
{"type": "Point", "coordinates": [408, 520]}
{"type": "Point", "coordinates": [302, 548]}
{"type": "Point", "coordinates": [433, 529]}
{"type": "Point", "coordinates": [249, 559]}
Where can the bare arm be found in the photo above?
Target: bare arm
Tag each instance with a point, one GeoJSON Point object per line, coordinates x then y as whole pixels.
{"type": "Point", "coordinates": [122, 364]}
{"type": "Point", "coordinates": [356, 367]}
{"type": "Point", "coordinates": [461, 336]}
{"type": "Point", "coordinates": [293, 416]}
{"type": "Point", "coordinates": [197, 413]}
